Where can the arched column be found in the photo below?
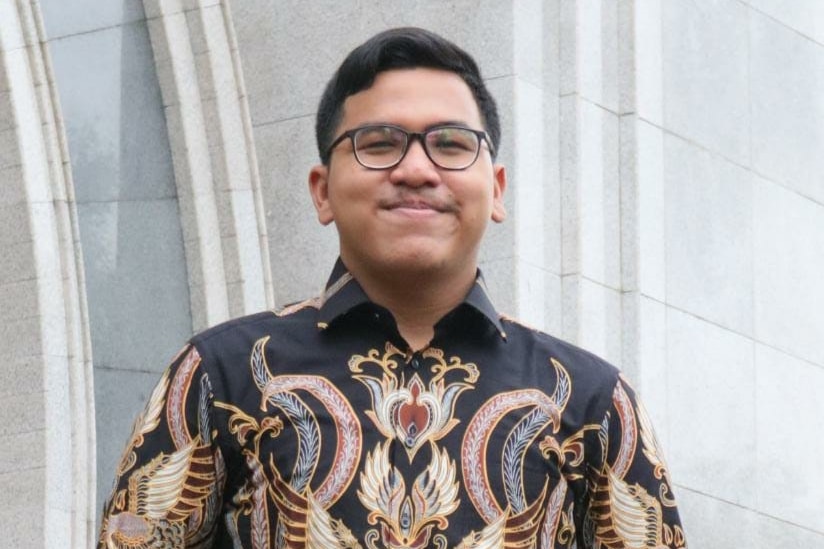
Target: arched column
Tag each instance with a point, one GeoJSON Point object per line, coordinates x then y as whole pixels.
{"type": "Point", "coordinates": [214, 158]}
{"type": "Point", "coordinates": [47, 464]}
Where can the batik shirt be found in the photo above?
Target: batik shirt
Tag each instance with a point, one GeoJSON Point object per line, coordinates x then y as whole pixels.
{"type": "Point", "coordinates": [318, 427]}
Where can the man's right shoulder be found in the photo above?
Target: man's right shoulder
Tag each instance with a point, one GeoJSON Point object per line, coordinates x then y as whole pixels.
{"type": "Point", "coordinates": [299, 315]}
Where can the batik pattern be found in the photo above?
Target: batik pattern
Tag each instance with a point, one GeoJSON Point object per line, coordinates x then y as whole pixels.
{"type": "Point", "coordinates": [317, 428]}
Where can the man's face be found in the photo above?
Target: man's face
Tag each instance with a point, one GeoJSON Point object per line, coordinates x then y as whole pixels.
{"type": "Point", "coordinates": [414, 218]}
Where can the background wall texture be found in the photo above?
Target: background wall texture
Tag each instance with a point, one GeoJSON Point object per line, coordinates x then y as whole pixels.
{"type": "Point", "coordinates": [666, 198]}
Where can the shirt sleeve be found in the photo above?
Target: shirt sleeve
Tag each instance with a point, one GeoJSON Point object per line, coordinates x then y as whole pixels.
{"type": "Point", "coordinates": [631, 499]}
{"type": "Point", "coordinates": [168, 483]}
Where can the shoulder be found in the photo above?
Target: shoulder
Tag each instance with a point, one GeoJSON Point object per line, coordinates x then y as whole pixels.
{"type": "Point", "coordinates": [247, 329]}
{"type": "Point", "coordinates": [590, 373]}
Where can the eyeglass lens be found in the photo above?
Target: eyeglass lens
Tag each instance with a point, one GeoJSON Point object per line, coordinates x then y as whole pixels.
{"type": "Point", "coordinates": [384, 146]}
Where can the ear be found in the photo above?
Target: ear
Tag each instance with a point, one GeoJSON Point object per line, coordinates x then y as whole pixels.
{"type": "Point", "coordinates": [319, 189]}
{"type": "Point", "coordinates": [499, 186]}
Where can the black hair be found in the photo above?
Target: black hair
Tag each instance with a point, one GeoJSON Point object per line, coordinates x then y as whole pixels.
{"type": "Point", "coordinates": [400, 48]}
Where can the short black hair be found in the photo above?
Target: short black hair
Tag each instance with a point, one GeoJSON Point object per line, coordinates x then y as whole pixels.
{"type": "Point", "coordinates": [400, 48]}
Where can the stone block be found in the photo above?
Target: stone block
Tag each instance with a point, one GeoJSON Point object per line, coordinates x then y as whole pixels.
{"type": "Point", "coordinates": [539, 297]}
{"type": "Point", "coordinates": [12, 37]}
{"type": "Point", "coordinates": [115, 124]}
{"type": "Point", "coordinates": [119, 396]}
{"type": "Point", "coordinates": [18, 300]}
{"type": "Point", "coordinates": [592, 317]}
{"type": "Point", "coordinates": [597, 55]}
{"type": "Point", "coordinates": [9, 149]}
{"type": "Point", "coordinates": [272, 36]}
{"type": "Point", "coordinates": [644, 359]}
{"type": "Point", "coordinates": [24, 413]}
{"type": "Point", "coordinates": [779, 533]}
{"type": "Point", "coordinates": [14, 224]}
{"type": "Point", "coordinates": [82, 16]}
{"type": "Point", "coordinates": [23, 374]}
{"type": "Point", "coordinates": [705, 81]}
{"type": "Point", "coordinates": [22, 451]}
{"type": "Point", "coordinates": [138, 293]}
{"type": "Point", "coordinates": [528, 41]}
{"type": "Point", "coordinates": [13, 193]}
{"type": "Point", "coordinates": [22, 494]}
{"type": "Point", "coordinates": [7, 121]}
{"type": "Point", "coordinates": [803, 16]}
{"type": "Point", "coordinates": [787, 110]}
{"type": "Point", "coordinates": [651, 211]}
{"type": "Point", "coordinates": [711, 383]}
{"type": "Point", "coordinates": [499, 275]}
{"type": "Point", "coordinates": [710, 522]}
{"type": "Point", "coordinates": [301, 250]}
{"type": "Point", "coordinates": [789, 254]}
{"type": "Point", "coordinates": [789, 415]}
{"type": "Point", "coordinates": [709, 236]}
{"type": "Point", "coordinates": [599, 195]}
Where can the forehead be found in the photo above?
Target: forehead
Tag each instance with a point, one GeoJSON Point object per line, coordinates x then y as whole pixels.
{"type": "Point", "coordinates": [413, 98]}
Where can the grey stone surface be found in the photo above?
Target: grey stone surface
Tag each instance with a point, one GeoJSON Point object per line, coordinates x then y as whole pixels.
{"type": "Point", "coordinates": [301, 250]}
{"type": "Point", "coordinates": [18, 262]}
{"type": "Point", "coordinates": [709, 235]}
{"type": "Point", "coordinates": [23, 413]}
{"type": "Point", "coordinates": [705, 81]}
{"type": "Point", "coordinates": [87, 15]}
{"type": "Point", "coordinates": [648, 82]}
{"type": "Point", "coordinates": [115, 124]}
{"type": "Point", "coordinates": [716, 368]}
{"type": "Point", "coordinates": [651, 210]}
{"type": "Point", "coordinates": [6, 113]}
{"type": "Point", "coordinates": [789, 415]}
{"type": "Point", "coordinates": [21, 508]}
{"type": "Point", "coordinates": [122, 395]}
{"type": "Point", "coordinates": [274, 42]}
{"type": "Point", "coordinates": [9, 149]}
{"type": "Point", "coordinates": [711, 523]}
{"type": "Point", "coordinates": [787, 267]}
{"type": "Point", "coordinates": [136, 275]}
{"type": "Point", "coordinates": [803, 16]}
{"type": "Point", "coordinates": [787, 106]}
{"type": "Point", "coordinates": [21, 375]}
{"type": "Point", "coordinates": [779, 533]}
{"type": "Point", "coordinates": [23, 450]}
{"type": "Point", "coordinates": [18, 300]}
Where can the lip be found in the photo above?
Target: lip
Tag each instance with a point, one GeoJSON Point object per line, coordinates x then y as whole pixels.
{"type": "Point", "coordinates": [415, 206]}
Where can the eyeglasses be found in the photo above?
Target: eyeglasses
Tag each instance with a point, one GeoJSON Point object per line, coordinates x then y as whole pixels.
{"type": "Point", "coordinates": [380, 147]}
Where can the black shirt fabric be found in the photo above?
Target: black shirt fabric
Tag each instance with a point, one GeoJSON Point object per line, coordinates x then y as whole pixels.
{"type": "Point", "coordinates": [318, 427]}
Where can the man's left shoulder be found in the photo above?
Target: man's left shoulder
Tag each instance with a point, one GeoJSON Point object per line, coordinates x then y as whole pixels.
{"type": "Point", "coordinates": [581, 364]}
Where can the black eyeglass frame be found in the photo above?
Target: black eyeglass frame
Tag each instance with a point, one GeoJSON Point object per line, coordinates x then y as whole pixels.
{"type": "Point", "coordinates": [410, 136]}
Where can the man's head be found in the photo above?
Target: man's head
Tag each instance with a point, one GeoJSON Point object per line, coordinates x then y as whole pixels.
{"type": "Point", "coordinates": [410, 182]}
{"type": "Point", "coordinates": [401, 48]}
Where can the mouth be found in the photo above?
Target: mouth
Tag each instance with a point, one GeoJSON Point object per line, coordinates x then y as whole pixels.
{"type": "Point", "coordinates": [416, 205]}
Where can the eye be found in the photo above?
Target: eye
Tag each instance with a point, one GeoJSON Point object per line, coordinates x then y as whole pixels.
{"type": "Point", "coordinates": [378, 139]}
{"type": "Point", "coordinates": [452, 141]}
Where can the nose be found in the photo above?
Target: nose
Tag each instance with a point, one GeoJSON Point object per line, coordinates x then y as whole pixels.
{"type": "Point", "coordinates": [415, 169]}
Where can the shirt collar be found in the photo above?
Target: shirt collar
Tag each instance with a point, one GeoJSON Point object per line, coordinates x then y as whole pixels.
{"type": "Point", "coordinates": [343, 293]}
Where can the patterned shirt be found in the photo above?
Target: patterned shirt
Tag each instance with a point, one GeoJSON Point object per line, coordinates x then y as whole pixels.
{"type": "Point", "coordinates": [318, 427]}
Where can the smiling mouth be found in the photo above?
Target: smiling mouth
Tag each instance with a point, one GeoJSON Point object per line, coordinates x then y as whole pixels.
{"type": "Point", "coordinates": [417, 205]}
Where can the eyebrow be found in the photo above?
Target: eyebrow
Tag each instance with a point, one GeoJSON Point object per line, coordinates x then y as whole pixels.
{"type": "Point", "coordinates": [438, 124]}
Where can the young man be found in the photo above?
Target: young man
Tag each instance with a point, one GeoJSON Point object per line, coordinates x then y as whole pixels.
{"type": "Point", "coordinates": [398, 409]}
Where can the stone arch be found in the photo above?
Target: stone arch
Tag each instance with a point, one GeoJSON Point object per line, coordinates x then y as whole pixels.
{"type": "Point", "coordinates": [47, 475]}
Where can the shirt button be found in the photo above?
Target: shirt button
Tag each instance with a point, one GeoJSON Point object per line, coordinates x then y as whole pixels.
{"type": "Point", "coordinates": [416, 363]}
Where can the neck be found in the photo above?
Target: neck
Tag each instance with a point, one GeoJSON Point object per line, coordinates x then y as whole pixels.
{"type": "Point", "coordinates": [416, 301]}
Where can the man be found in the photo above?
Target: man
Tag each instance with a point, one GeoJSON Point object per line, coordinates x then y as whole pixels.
{"type": "Point", "coordinates": [398, 409]}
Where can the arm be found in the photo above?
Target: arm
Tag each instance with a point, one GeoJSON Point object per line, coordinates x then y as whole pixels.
{"type": "Point", "coordinates": [631, 503]}
{"type": "Point", "coordinates": [168, 484]}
